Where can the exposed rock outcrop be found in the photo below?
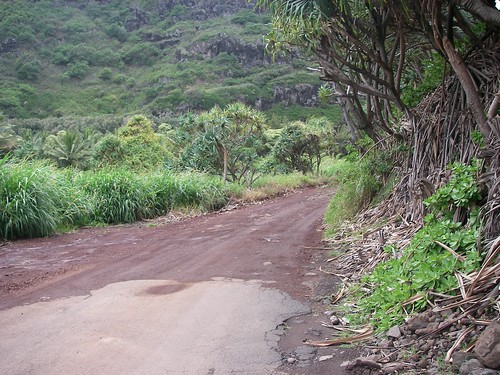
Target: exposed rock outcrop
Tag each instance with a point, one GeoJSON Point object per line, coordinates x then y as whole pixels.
{"type": "Point", "coordinates": [249, 55]}
{"type": "Point", "coordinates": [303, 94]}
{"type": "Point", "coordinates": [8, 45]}
{"type": "Point", "coordinates": [200, 10]}
{"type": "Point", "coordinates": [137, 19]}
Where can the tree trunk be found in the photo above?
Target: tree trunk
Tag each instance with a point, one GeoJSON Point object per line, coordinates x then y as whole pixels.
{"type": "Point", "coordinates": [487, 13]}
{"type": "Point", "coordinates": [224, 175]}
{"type": "Point", "coordinates": [473, 99]}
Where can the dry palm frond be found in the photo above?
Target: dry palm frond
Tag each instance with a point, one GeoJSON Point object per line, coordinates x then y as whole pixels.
{"type": "Point", "coordinates": [364, 335]}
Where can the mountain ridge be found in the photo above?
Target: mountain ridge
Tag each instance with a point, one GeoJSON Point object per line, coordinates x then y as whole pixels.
{"type": "Point", "coordinates": [68, 58]}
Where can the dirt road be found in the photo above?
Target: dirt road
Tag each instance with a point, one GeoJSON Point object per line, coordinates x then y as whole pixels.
{"type": "Point", "coordinates": [204, 295]}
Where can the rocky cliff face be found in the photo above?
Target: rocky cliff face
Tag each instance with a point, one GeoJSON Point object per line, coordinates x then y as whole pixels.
{"type": "Point", "coordinates": [248, 54]}
{"type": "Point", "coordinates": [302, 94]}
{"type": "Point", "coordinates": [141, 50]}
{"type": "Point", "coordinates": [201, 10]}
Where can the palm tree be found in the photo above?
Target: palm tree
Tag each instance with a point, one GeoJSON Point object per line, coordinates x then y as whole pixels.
{"type": "Point", "coordinates": [68, 148]}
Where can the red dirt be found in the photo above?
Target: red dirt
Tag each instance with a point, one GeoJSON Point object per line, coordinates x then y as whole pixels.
{"type": "Point", "coordinates": [270, 241]}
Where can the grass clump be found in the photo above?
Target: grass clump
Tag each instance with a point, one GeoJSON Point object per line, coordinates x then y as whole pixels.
{"type": "Point", "coordinates": [37, 200]}
{"type": "Point", "coordinates": [118, 195]}
{"type": "Point", "coordinates": [28, 206]}
{"type": "Point", "coordinates": [201, 191]}
{"type": "Point", "coordinates": [355, 186]}
{"type": "Point", "coordinates": [358, 177]}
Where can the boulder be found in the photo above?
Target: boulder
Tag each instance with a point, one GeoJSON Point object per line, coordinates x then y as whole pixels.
{"type": "Point", "coordinates": [8, 45]}
{"type": "Point", "coordinates": [469, 366]}
{"type": "Point", "coordinates": [459, 358]}
{"type": "Point", "coordinates": [487, 347]}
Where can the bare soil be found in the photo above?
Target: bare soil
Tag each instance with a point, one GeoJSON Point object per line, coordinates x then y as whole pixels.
{"type": "Point", "coordinates": [277, 241]}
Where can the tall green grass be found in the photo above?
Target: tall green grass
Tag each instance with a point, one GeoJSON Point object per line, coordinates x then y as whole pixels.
{"type": "Point", "coordinates": [166, 191]}
{"type": "Point", "coordinates": [355, 183]}
{"type": "Point", "coordinates": [118, 195]}
{"type": "Point", "coordinates": [36, 199]}
{"type": "Point", "coordinates": [201, 191]}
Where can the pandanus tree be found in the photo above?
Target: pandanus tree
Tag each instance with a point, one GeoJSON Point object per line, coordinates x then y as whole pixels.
{"type": "Point", "coordinates": [371, 51]}
{"type": "Point", "coordinates": [229, 142]}
{"type": "Point", "coordinates": [367, 49]}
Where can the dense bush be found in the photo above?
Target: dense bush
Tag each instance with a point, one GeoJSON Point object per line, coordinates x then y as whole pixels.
{"type": "Point", "coordinates": [28, 70]}
{"type": "Point", "coordinates": [77, 70]}
{"type": "Point", "coordinates": [140, 54]}
{"type": "Point", "coordinates": [116, 31]}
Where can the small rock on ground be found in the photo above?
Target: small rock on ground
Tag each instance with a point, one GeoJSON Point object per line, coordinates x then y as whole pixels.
{"type": "Point", "coordinates": [394, 332]}
{"type": "Point", "coordinates": [325, 358]}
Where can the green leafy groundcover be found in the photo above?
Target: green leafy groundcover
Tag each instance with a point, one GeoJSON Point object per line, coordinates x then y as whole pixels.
{"type": "Point", "coordinates": [425, 264]}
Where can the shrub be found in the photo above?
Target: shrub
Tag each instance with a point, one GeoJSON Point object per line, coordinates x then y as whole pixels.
{"type": "Point", "coordinates": [28, 70]}
{"type": "Point", "coordinates": [140, 54]}
{"type": "Point", "coordinates": [77, 70]}
{"type": "Point", "coordinates": [109, 151]}
{"type": "Point", "coordinates": [143, 148]}
{"type": "Point", "coordinates": [117, 32]}
{"type": "Point", "coordinates": [245, 16]}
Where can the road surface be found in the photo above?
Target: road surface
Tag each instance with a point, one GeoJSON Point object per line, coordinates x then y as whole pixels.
{"type": "Point", "coordinates": [203, 295]}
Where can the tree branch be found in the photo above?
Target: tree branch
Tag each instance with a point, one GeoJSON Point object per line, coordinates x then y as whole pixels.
{"type": "Point", "coordinates": [482, 10]}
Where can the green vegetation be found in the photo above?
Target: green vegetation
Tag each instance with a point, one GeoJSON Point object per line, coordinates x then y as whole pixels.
{"type": "Point", "coordinates": [38, 199]}
{"type": "Point", "coordinates": [229, 144]}
{"type": "Point", "coordinates": [55, 182]}
{"type": "Point", "coordinates": [35, 200]}
{"type": "Point", "coordinates": [118, 57]}
{"type": "Point", "coordinates": [79, 154]}
{"type": "Point", "coordinates": [297, 149]}
{"type": "Point", "coordinates": [359, 176]}
{"type": "Point", "coordinates": [428, 264]}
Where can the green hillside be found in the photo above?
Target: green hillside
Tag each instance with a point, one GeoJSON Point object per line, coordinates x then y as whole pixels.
{"type": "Point", "coordinates": [92, 58]}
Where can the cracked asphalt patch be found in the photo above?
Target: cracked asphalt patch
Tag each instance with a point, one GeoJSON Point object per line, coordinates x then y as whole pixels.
{"type": "Point", "coordinates": [150, 327]}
